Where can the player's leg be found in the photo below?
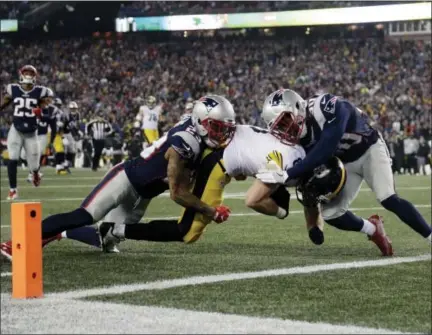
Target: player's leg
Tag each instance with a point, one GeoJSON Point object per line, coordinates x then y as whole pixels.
{"type": "Point", "coordinates": [108, 194]}
{"type": "Point", "coordinates": [15, 142]}
{"type": "Point", "coordinates": [59, 154]}
{"type": "Point", "coordinates": [70, 151]}
{"type": "Point", "coordinates": [378, 175]}
{"type": "Point", "coordinates": [209, 184]}
{"type": "Point", "coordinates": [336, 212]}
{"type": "Point", "coordinates": [43, 143]}
{"type": "Point", "coordinates": [272, 200]}
{"type": "Point", "coordinates": [31, 146]}
{"type": "Point", "coordinates": [98, 146]}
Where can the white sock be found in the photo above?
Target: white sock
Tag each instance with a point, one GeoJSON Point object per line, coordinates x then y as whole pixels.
{"type": "Point", "coordinates": [13, 189]}
{"type": "Point", "coordinates": [281, 213]}
{"type": "Point", "coordinates": [429, 238]}
{"type": "Point", "coordinates": [368, 228]}
{"type": "Point", "coordinates": [64, 234]}
{"type": "Point", "coordinates": [119, 230]}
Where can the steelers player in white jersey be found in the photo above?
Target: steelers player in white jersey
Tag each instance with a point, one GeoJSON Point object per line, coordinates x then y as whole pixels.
{"type": "Point", "coordinates": [148, 119]}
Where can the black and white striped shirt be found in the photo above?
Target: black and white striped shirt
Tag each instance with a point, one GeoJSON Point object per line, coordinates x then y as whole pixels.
{"type": "Point", "coordinates": [98, 129]}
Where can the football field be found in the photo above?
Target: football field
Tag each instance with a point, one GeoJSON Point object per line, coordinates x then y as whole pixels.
{"type": "Point", "coordinates": [253, 274]}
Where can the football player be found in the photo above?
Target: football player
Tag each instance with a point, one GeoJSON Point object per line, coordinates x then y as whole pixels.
{"type": "Point", "coordinates": [61, 120]}
{"type": "Point", "coordinates": [167, 164]}
{"type": "Point", "coordinates": [47, 120]}
{"type": "Point", "coordinates": [327, 125]}
{"type": "Point", "coordinates": [28, 101]}
{"type": "Point", "coordinates": [148, 119]}
{"type": "Point", "coordinates": [72, 133]}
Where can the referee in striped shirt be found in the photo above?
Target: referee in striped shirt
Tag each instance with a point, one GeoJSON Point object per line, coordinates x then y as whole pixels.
{"type": "Point", "coordinates": [98, 129]}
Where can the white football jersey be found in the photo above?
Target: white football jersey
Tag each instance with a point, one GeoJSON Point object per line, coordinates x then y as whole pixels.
{"type": "Point", "coordinates": [149, 118]}
{"type": "Point", "coordinates": [248, 151]}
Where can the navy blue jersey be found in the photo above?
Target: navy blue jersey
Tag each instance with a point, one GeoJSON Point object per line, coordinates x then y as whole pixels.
{"type": "Point", "coordinates": [148, 172]}
{"type": "Point", "coordinates": [47, 119]}
{"type": "Point", "coordinates": [72, 124]}
{"type": "Point", "coordinates": [24, 120]}
{"type": "Point", "coordinates": [334, 127]}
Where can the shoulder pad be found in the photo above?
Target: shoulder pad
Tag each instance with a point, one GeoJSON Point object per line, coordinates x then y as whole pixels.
{"type": "Point", "coordinates": [193, 141]}
{"type": "Point", "coordinates": [327, 103]}
{"type": "Point", "coordinates": [45, 92]}
{"type": "Point", "coordinates": [322, 108]}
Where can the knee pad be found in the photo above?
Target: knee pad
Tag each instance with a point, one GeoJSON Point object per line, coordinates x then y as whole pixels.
{"type": "Point", "coordinates": [195, 232]}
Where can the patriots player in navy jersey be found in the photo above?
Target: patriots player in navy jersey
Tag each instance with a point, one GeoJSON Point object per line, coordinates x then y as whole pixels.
{"type": "Point", "coordinates": [327, 125]}
{"type": "Point", "coordinates": [166, 165]}
{"type": "Point", "coordinates": [29, 101]}
{"type": "Point", "coordinates": [47, 120]}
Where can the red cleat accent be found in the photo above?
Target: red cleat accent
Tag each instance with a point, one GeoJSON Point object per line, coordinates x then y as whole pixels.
{"type": "Point", "coordinates": [36, 178]}
{"type": "Point", "coordinates": [380, 238]}
{"type": "Point", "coordinates": [6, 249]}
{"type": "Point", "coordinates": [58, 237]}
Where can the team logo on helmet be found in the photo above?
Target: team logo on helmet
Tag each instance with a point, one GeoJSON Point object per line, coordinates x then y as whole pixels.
{"type": "Point", "coordinates": [277, 98]}
{"type": "Point", "coordinates": [209, 103]}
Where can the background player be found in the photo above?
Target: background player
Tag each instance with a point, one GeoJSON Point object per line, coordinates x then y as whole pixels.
{"type": "Point", "coordinates": [28, 100]}
{"type": "Point", "coordinates": [148, 119]}
{"type": "Point", "coordinates": [58, 146]}
{"type": "Point", "coordinates": [133, 184]}
{"type": "Point", "coordinates": [327, 125]}
{"type": "Point", "coordinates": [72, 134]}
{"type": "Point", "coordinates": [46, 121]}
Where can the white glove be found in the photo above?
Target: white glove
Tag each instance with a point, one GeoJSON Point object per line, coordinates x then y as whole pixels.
{"type": "Point", "coordinates": [65, 141]}
{"type": "Point", "coordinates": [272, 176]}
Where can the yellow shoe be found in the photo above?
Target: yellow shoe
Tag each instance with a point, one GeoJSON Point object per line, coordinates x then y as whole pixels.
{"type": "Point", "coordinates": [61, 172]}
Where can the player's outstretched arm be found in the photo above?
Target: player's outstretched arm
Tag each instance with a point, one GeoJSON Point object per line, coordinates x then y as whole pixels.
{"type": "Point", "coordinates": [179, 180]}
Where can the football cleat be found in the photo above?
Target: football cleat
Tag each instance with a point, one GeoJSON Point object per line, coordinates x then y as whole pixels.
{"type": "Point", "coordinates": [108, 240]}
{"type": "Point", "coordinates": [6, 249]}
{"type": "Point", "coordinates": [58, 237]}
{"type": "Point", "coordinates": [13, 194]}
{"type": "Point", "coordinates": [36, 178]}
{"type": "Point", "coordinates": [380, 238]}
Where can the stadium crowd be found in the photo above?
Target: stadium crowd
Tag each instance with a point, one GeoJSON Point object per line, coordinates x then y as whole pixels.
{"type": "Point", "coordinates": [390, 80]}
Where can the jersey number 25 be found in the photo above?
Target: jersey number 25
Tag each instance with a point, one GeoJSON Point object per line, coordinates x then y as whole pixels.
{"type": "Point", "coordinates": [24, 107]}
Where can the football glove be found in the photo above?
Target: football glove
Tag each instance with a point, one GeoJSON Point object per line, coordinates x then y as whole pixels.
{"type": "Point", "coordinates": [222, 214]}
{"type": "Point", "coordinates": [272, 177]}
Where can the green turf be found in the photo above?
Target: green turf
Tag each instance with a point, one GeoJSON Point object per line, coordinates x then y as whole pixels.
{"type": "Point", "coordinates": [397, 297]}
{"type": "Point", "coordinates": [247, 243]}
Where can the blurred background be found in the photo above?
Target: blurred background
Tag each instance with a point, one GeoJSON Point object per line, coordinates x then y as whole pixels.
{"type": "Point", "coordinates": [110, 57]}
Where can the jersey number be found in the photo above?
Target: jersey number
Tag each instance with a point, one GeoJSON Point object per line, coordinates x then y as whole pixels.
{"type": "Point", "coordinates": [152, 117]}
{"type": "Point", "coordinates": [24, 107]}
{"type": "Point", "coordinates": [348, 140]}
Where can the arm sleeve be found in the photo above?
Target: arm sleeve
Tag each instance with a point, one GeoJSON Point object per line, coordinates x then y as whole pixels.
{"type": "Point", "coordinates": [332, 132]}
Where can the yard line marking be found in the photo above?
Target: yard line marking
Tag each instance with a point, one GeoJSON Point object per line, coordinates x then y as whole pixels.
{"type": "Point", "coordinates": [359, 209]}
{"type": "Point", "coordinates": [211, 279]}
{"type": "Point", "coordinates": [6, 274]}
{"type": "Point", "coordinates": [54, 317]}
